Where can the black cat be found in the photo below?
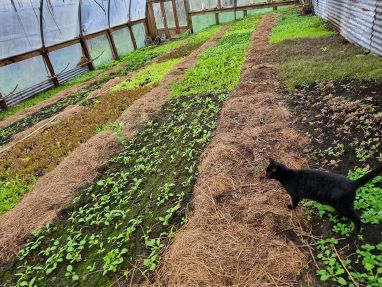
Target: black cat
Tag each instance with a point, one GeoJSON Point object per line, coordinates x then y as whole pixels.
{"type": "Point", "coordinates": [324, 187]}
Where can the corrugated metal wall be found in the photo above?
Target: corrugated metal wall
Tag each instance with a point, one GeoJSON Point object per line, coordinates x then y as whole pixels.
{"type": "Point", "coordinates": [359, 21]}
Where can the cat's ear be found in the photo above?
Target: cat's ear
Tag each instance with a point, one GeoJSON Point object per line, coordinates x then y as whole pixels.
{"type": "Point", "coordinates": [271, 160]}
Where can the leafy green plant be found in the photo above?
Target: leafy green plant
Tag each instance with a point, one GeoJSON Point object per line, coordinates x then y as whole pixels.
{"type": "Point", "coordinates": [218, 69]}
{"type": "Point", "coordinates": [149, 76]}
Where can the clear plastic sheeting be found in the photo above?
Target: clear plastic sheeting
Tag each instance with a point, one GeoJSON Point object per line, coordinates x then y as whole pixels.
{"type": "Point", "coordinates": [200, 22]}
{"type": "Point", "coordinates": [65, 59]}
{"type": "Point", "coordinates": [249, 2]}
{"type": "Point", "coordinates": [199, 5]}
{"type": "Point", "coordinates": [137, 10]}
{"type": "Point", "coordinates": [225, 17]}
{"type": "Point", "coordinates": [22, 75]}
{"type": "Point", "coordinates": [100, 50]}
{"type": "Point", "coordinates": [259, 11]}
{"type": "Point", "coordinates": [119, 12]}
{"type": "Point", "coordinates": [60, 21]}
{"type": "Point", "coordinates": [123, 42]}
{"type": "Point", "coordinates": [239, 14]}
{"type": "Point", "coordinates": [181, 11]}
{"type": "Point", "coordinates": [94, 16]}
{"type": "Point", "coordinates": [159, 20]}
{"type": "Point", "coordinates": [169, 14]}
{"type": "Point", "coordinates": [19, 27]}
{"type": "Point", "coordinates": [228, 3]}
{"type": "Point", "coordinates": [139, 35]}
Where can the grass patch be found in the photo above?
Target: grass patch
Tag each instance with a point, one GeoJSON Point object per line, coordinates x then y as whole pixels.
{"type": "Point", "coordinates": [149, 76]}
{"type": "Point", "coordinates": [115, 230]}
{"type": "Point", "coordinates": [308, 61]}
{"type": "Point", "coordinates": [320, 56]}
{"type": "Point", "coordinates": [218, 68]}
{"type": "Point", "coordinates": [293, 26]}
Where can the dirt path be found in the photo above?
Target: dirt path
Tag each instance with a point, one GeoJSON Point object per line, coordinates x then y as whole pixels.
{"type": "Point", "coordinates": [238, 232]}
{"type": "Point", "coordinates": [57, 188]}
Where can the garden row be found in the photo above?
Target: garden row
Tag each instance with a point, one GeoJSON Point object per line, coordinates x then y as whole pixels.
{"type": "Point", "coordinates": [335, 93]}
{"type": "Point", "coordinates": [35, 156]}
{"type": "Point", "coordinates": [115, 229]}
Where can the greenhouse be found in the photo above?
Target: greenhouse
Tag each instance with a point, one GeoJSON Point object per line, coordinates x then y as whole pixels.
{"type": "Point", "coordinates": [190, 143]}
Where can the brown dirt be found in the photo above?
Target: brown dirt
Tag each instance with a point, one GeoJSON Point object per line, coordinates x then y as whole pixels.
{"type": "Point", "coordinates": [56, 189]}
{"type": "Point", "coordinates": [240, 232]}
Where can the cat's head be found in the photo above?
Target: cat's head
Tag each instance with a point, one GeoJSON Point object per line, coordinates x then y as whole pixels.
{"type": "Point", "coordinates": [274, 169]}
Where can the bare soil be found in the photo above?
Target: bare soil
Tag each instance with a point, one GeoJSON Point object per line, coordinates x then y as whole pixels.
{"type": "Point", "coordinates": [241, 232]}
{"type": "Point", "coordinates": [56, 189]}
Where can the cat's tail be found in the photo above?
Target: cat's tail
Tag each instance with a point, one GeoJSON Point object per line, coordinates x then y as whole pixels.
{"type": "Point", "coordinates": [369, 176]}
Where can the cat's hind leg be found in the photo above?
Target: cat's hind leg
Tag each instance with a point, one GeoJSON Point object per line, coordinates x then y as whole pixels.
{"type": "Point", "coordinates": [294, 202]}
{"type": "Point", "coordinates": [348, 212]}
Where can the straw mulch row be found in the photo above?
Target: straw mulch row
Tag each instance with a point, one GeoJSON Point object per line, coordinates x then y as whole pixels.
{"type": "Point", "coordinates": [241, 232]}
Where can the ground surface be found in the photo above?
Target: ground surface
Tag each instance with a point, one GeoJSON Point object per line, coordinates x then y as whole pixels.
{"type": "Point", "coordinates": [187, 153]}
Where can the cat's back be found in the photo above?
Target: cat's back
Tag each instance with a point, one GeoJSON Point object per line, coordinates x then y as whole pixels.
{"type": "Point", "coordinates": [324, 182]}
{"type": "Point", "coordinates": [328, 177]}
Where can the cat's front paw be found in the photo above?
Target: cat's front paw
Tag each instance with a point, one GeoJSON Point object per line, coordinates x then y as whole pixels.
{"type": "Point", "coordinates": [291, 207]}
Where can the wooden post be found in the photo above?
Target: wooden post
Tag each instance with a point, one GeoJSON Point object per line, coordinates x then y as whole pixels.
{"type": "Point", "coordinates": [50, 67]}
{"type": "Point", "coordinates": [164, 19]}
{"type": "Point", "coordinates": [3, 103]}
{"type": "Point", "coordinates": [85, 50]}
{"type": "Point", "coordinates": [44, 51]}
{"type": "Point", "coordinates": [150, 21]}
{"type": "Point", "coordinates": [245, 13]}
{"type": "Point", "coordinates": [217, 18]}
{"type": "Point", "coordinates": [176, 17]}
{"type": "Point", "coordinates": [110, 36]}
{"type": "Point", "coordinates": [235, 6]}
{"type": "Point", "coordinates": [132, 37]}
{"type": "Point", "coordinates": [131, 30]}
{"type": "Point", "coordinates": [112, 44]}
{"type": "Point", "coordinates": [84, 45]}
{"type": "Point", "coordinates": [188, 9]}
